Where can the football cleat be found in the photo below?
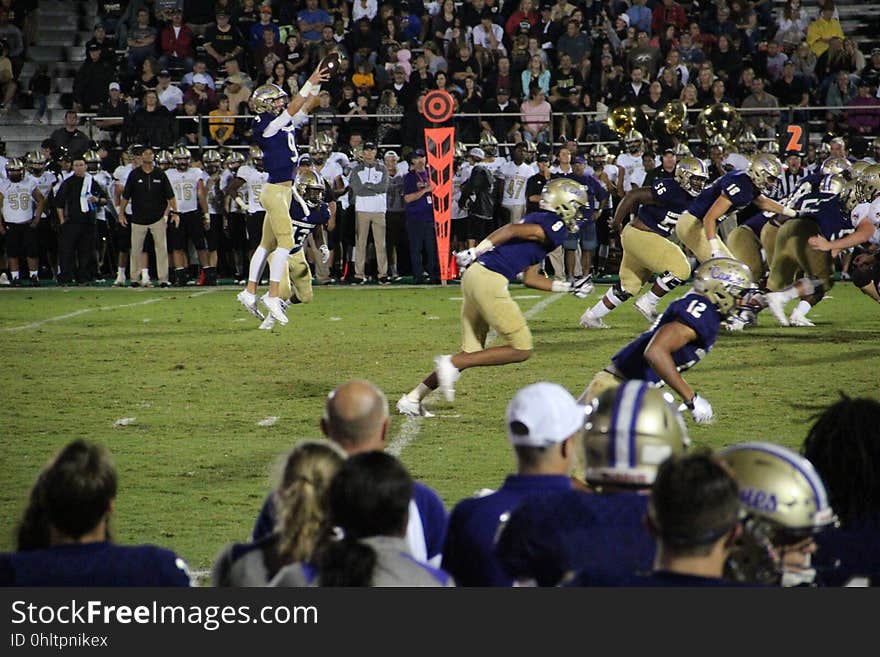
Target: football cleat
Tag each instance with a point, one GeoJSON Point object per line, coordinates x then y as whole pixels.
{"type": "Point", "coordinates": [447, 375]}
{"type": "Point", "coordinates": [646, 308]}
{"type": "Point", "coordinates": [799, 319]}
{"type": "Point", "coordinates": [406, 406]}
{"type": "Point", "coordinates": [275, 308]}
{"type": "Point", "coordinates": [777, 307]}
{"type": "Point", "coordinates": [249, 301]}
{"type": "Point", "coordinates": [589, 320]}
{"type": "Point", "coordinates": [733, 324]}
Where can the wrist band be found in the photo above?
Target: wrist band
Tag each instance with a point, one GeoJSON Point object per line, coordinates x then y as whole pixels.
{"type": "Point", "coordinates": [690, 403]}
{"type": "Point", "coordinates": [788, 212]}
{"type": "Point", "coordinates": [482, 247]}
{"type": "Point", "coordinates": [306, 89]}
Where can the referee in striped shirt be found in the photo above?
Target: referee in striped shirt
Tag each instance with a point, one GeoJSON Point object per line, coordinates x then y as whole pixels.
{"type": "Point", "coordinates": [792, 174]}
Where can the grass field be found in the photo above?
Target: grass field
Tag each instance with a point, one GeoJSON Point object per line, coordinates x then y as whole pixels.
{"type": "Point", "coordinates": [177, 383]}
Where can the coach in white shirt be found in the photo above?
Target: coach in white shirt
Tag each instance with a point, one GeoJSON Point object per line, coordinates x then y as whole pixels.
{"type": "Point", "coordinates": [369, 184]}
{"type": "Point", "coordinates": [170, 95]}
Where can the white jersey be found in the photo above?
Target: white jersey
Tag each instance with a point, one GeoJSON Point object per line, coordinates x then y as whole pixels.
{"type": "Point", "coordinates": [18, 200]}
{"type": "Point", "coordinates": [868, 212]}
{"type": "Point", "coordinates": [515, 178]}
{"type": "Point", "coordinates": [105, 180]}
{"type": "Point", "coordinates": [254, 181]}
{"type": "Point", "coordinates": [120, 175]}
{"type": "Point", "coordinates": [633, 168]}
{"type": "Point", "coordinates": [494, 166]}
{"type": "Point", "coordinates": [239, 203]}
{"type": "Point", "coordinates": [461, 175]}
{"type": "Point", "coordinates": [185, 185]}
{"type": "Point", "coordinates": [612, 172]}
{"type": "Point", "coordinates": [45, 183]}
{"type": "Point", "coordinates": [334, 168]}
{"type": "Point", "coordinates": [3, 162]}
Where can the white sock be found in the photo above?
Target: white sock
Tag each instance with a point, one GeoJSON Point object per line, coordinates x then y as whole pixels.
{"type": "Point", "coordinates": [15, 275]}
{"type": "Point", "coordinates": [600, 309]}
{"type": "Point", "coordinates": [120, 272]}
{"type": "Point", "coordinates": [789, 294]}
{"type": "Point", "coordinates": [258, 261]}
{"type": "Point", "coordinates": [652, 298]}
{"type": "Point", "coordinates": [803, 308]}
{"type": "Point", "coordinates": [418, 393]}
{"type": "Point", "coordinates": [277, 264]}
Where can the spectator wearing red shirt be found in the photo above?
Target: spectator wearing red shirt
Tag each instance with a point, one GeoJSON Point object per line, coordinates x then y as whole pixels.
{"type": "Point", "coordinates": [204, 97]}
{"type": "Point", "coordinates": [176, 42]}
{"type": "Point", "coordinates": [525, 13]}
{"type": "Point", "coordinates": [668, 12]}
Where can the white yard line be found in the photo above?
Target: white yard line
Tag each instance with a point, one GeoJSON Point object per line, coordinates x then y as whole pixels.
{"type": "Point", "coordinates": [412, 425]}
{"type": "Point", "coordinates": [76, 313]}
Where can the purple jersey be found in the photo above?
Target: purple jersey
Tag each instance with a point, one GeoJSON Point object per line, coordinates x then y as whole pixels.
{"type": "Point", "coordinates": [757, 222]}
{"type": "Point", "coordinates": [304, 225]}
{"type": "Point", "coordinates": [469, 549]}
{"type": "Point", "coordinates": [847, 552]}
{"type": "Point", "coordinates": [94, 564]}
{"type": "Point", "coordinates": [827, 211]}
{"type": "Point", "coordinates": [595, 189]}
{"type": "Point", "coordinates": [517, 255]}
{"type": "Point", "coordinates": [670, 200]}
{"type": "Point", "coordinates": [570, 531]}
{"type": "Point", "coordinates": [279, 150]}
{"type": "Point", "coordinates": [736, 186]}
{"type": "Point", "coordinates": [695, 311]}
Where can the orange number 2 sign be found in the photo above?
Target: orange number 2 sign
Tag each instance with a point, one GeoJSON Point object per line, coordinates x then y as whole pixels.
{"type": "Point", "coordinates": [795, 134]}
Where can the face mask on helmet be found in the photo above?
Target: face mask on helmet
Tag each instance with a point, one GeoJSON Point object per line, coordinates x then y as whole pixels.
{"type": "Point", "coordinates": [634, 146]}
{"type": "Point", "coordinates": [566, 198]}
{"type": "Point", "coordinates": [726, 282]}
{"type": "Point", "coordinates": [692, 175]}
{"type": "Point", "coordinates": [309, 187]}
{"type": "Point", "coordinates": [15, 175]}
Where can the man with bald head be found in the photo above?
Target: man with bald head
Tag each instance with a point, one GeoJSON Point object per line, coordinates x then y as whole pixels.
{"type": "Point", "coordinates": [356, 418]}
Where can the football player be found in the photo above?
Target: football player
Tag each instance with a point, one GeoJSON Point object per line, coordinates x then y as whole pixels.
{"type": "Point", "coordinates": [193, 218]}
{"type": "Point", "coordinates": [164, 159]}
{"type": "Point", "coordinates": [212, 165]}
{"type": "Point", "coordinates": [631, 159]}
{"type": "Point", "coordinates": [516, 174]}
{"type": "Point", "coordinates": [697, 227]}
{"type": "Point", "coordinates": [308, 212]}
{"type": "Point", "coordinates": [235, 220]}
{"type": "Point", "coordinates": [509, 251]}
{"type": "Point", "coordinates": [105, 180]}
{"type": "Point", "coordinates": [251, 177]}
{"type": "Point", "coordinates": [786, 506]}
{"type": "Point", "coordinates": [822, 214]}
{"type": "Point", "coordinates": [47, 235]}
{"type": "Point", "coordinates": [682, 335]}
{"type": "Point", "coordinates": [647, 249]}
{"type": "Point", "coordinates": [629, 431]}
{"type": "Point", "coordinates": [277, 117]}
{"type": "Point", "coordinates": [21, 207]}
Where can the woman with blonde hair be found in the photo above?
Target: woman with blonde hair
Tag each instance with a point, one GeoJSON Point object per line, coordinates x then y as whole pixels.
{"type": "Point", "coordinates": [536, 73]}
{"type": "Point", "coordinates": [301, 507]}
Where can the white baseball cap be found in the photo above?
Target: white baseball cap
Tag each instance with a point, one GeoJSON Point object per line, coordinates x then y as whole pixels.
{"type": "Point", "coordinates": [543, 414]}
{"type": "Point", "coordinates": [477, 152]}
{"type": "Point", "coordinates": [392, 154]}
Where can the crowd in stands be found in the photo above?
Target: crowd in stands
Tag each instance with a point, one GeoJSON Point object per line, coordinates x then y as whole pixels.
{"type": "Point", "coordinates": [579, 510]}
{"type": "Point", "coordinates": [527, 72]}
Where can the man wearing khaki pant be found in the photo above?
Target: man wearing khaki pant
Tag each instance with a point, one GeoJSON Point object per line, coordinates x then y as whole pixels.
{"type": "Point", "coordinates": [152, 201]}
{"type": "Point", "coordinates": [369, 184]}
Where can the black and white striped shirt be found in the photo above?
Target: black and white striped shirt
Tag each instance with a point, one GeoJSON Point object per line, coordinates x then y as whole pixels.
{"type": "Point", "coordinates": [788, 182]}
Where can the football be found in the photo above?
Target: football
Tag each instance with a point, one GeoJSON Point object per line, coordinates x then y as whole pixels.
{"type": "Point", "coordinates": [331, 62]}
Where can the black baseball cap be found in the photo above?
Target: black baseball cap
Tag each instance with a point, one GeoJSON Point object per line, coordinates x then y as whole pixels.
{"type": "Point", "coordinates": [369, 146]}
{"type": "Point", "coordinates": [543, 157]}
{"type": "Point", "coordinates": [164, 73]}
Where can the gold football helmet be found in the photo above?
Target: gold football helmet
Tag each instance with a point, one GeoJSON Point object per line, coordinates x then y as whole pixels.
{"type": "Point", "coordinates": [747, 142]}
{"type": "Point", "coordinates": [310, 186]}
{"type": "Point", "coordinates": [15, 169]}
{"type": "Point", "coordinates": [234, 160]}
{"type": "Point", "coordinates": [598, 156]}
{"type": "Point", "coordinates": [780, 487]}
{"type": "Point", "coordinates": [718, 141]}
{"type": "Point", "coordinates": [682, 150]}
{"type": "Point", "coordinates": [323, 144]}
{"type": "Point", "coordinates": [565, 197]}
{"type": "Point", "coordinates": [212, 161]}
{"type": "Point", "coordinates": [92, 160]}
{"type": "Point", "coordinates": [858, 167]}
{"type": "Point", "coordinates": [629, 431]}
{"type": "Point", "coordinates": [869, 183]}
{"type": "Point", "coordinates": [182, 157]}
{"type": "Point", "coordinates": [691, 173]}
{"type": "Point", "coordinates": [255, 155]}
{"type": "Point", "coordinates": [724, 281]}
{"type": "Point", "coordinates": [459, 151]}
{"type": "Point", "coordinates": [164, 159]}
{"type": "Point", "coordinates": [833, 185]}
{"type": "Point", "coordinates": [35, 162]}
{"type": "Point", "coordinates": [765, 170]}
{"type": "Point", "coordinates": [269, 98]}
{"type": "Point", "coordinates": [634, 141]}
{"type": "Point", "coordinates": [834, 165]}
{"type": "Point", "coordinates": [489, 144]}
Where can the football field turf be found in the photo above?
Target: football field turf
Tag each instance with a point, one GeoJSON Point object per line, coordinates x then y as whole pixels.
{"type": "Point", "coordinates": [197, 405]}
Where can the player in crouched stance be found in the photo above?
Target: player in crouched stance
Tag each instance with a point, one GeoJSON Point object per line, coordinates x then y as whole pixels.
{"type": "Point", "coordinates": [307, 212]}
{"type": "Point", "coordinates": [682, 335]}
{"type": "Point", "coordinates": [509, 251]}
